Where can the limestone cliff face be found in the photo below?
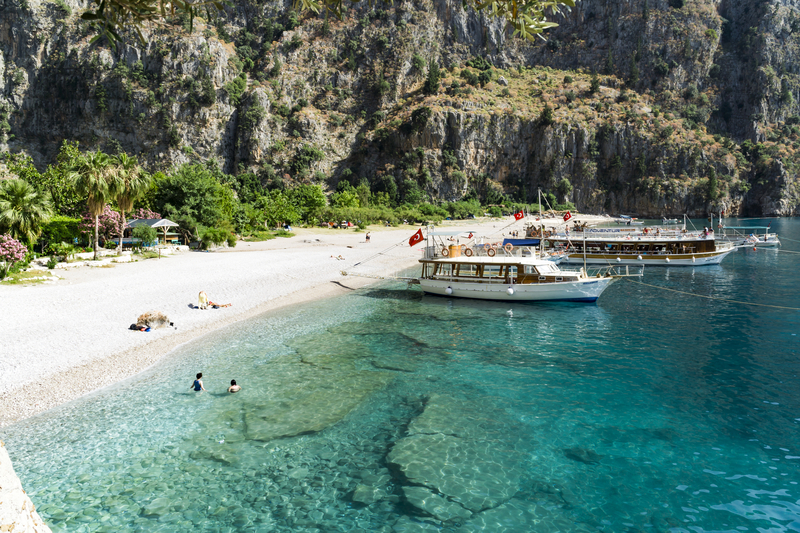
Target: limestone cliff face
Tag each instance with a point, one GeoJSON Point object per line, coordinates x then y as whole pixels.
{"type": "Point", "coordinates": [17, 512]}
{"type": "Point", "coordinates": [258, 88]}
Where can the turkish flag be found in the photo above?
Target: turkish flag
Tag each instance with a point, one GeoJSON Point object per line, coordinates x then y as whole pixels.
{"type": "Point", "coordinates": [469, 236]}
{"type": "Point", "coordinates": [417, 237]}
{"type": "Point", "coordinates": [519, 215]}
{"type": "Point", "coordinates": [567, 216]}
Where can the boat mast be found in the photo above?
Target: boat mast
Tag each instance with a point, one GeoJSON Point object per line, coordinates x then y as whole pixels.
{"type": "Point", "coordinates": [541, 225]}
{"type": "Point", "coordinates": [584, 251]}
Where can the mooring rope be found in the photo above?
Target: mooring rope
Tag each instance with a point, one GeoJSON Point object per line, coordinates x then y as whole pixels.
{"type": "Point", "coordinates": [713, 297]}
{"type": "Point", "coordinates": [373, 256]}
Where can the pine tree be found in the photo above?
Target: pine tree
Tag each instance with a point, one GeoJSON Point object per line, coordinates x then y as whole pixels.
{"type": "Point", "coordinates": [634, 78]}
{"type": "Point", "coordinates": [594, 84]}
{"type": "Point", "coordinates": [610, 62]}
{"type": "Point", "coordinates": [546, 118]}
{"type": "Point", "coordinates": [432, 81]}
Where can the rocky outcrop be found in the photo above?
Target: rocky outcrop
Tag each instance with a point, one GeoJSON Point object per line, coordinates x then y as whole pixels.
{"type": "Point", "coordinates": [297, 99]}
{"type": "Point", "coordinates": [17, 512]}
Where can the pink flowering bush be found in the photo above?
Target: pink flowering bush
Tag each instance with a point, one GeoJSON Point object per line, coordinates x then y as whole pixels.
{"type": "Point", "coordinates": [142, 213]}
{"type": "Point", "coordinates": [11, 251]}
{"type": "Point", "coordinates": [110, 224]}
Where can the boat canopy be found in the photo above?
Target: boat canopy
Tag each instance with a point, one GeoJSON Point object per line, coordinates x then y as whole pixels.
{"type": "Point", "coordinates": [521, 242]}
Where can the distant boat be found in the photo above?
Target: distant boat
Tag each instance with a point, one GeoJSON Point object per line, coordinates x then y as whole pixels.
{"type": "Point", "coordinates": [630, 221]}
{"type": "Point", "coordinates": [666, 220]}
{"type": "Point", "coordinates": [621, 246]}
{"type": "Point", "coordinates": [757, 236]}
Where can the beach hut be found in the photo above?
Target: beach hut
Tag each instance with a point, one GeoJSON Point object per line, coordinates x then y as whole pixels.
{"type": "Point", "coordinates": [162, 224]}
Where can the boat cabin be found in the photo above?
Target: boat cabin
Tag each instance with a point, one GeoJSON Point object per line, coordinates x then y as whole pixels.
{"type": "Point", "coordinates": [477, 271]}
{"type": "Point", "coordinates": [635, 247]}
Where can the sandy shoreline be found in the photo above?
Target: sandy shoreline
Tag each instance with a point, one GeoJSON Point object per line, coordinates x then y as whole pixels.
{"type": "Point", "coordinates": [72, 338]}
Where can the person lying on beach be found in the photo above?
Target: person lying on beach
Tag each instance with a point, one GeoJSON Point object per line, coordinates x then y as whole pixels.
{"type": "Point", "coordinates": [234, 387]}
{"type": "Point", "coordinates": [217, 306]}
{"type": "Point", "coordinates": [197, 385]}
{"type": "Point", "coordinates": [338, 257]}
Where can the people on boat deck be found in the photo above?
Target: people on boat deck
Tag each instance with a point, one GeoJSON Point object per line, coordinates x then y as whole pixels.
{"type": "Point", "coordinates": [197, 385]}
{"type": "Point", "coordinates": [234, 387]}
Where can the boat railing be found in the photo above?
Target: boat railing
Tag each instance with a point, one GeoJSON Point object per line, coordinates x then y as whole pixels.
{"type": "Point", "coordinates": [615, 271]}
{"type": "Point", "coordinates": [479, 250]}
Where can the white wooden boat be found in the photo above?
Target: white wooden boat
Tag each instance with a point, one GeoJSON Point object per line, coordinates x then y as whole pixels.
{"type": "Point", "coordinates": [490, 272]}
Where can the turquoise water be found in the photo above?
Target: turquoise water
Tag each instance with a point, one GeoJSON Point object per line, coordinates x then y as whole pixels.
{"type": "Point", "coordinates": [386, 410]}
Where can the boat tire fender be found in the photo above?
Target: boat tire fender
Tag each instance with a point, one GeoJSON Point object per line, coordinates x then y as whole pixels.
{"type": "Point", "coordinates": [445, 252]}
{"type": "Point", "coordinates": [468, 252]}
{"type": "Point", "coordinates": [508, 247]}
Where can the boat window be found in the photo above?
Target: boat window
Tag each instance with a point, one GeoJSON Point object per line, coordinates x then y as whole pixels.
{"type": "Point", "coordinates": [445, 269]}
{"type": "Point", "coordinates": [491, 271]}
{"type": "Point", "coordinates": [529, 269]}
{"type": "Point", "coordinates": [468, 270]}
{"type": "Point", "coordinates": [546, 268]}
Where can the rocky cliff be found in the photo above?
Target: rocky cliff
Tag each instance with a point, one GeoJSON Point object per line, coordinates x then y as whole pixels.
{"type": "Point", "coordinates": [693, 109]}
{"type": "Point", "coordinates": [17, 512]}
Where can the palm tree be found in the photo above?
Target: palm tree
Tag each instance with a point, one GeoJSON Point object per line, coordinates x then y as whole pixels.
{"type": "Point", "coordinates": [23, 210]}
{"type": "Point", "coordinates": [93, 175]}
{"type": "Point", "coordinates": [134, 182]}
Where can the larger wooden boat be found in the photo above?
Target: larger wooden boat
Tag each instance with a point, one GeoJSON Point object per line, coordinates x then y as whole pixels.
{"type": "Point", "coordinates": [652, 247]}
{"type": "Point", "coordinates": [490, 272]}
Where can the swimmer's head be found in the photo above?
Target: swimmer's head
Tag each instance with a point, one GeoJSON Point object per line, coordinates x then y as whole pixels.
{"type": "Point", "coordinates": [199, 375]}
{"type": "Point", "coordinates": [233, 382]}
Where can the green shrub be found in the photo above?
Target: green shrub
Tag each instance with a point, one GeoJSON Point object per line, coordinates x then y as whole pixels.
{"type": "Point", "coordinates": [147, 236]}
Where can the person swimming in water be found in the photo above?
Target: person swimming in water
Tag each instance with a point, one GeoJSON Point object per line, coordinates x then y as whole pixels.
{"type": "Point", "coordinates": [234, 387]}
{"type": "Point", "coordinates": [198, 383]}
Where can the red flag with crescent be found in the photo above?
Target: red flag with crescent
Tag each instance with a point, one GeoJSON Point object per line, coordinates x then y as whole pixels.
{"type": "Point", "coordinates": [417, 237]}
{"type": "Point", "coordinates": [469, 236]}
{"type": "Point", "coordinates": [519, 215]}
{"type": "Point", "coordinates": [567, 216]}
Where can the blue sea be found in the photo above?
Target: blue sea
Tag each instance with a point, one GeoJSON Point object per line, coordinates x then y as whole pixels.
{"type": "Point", "coordinates": [386, 410]}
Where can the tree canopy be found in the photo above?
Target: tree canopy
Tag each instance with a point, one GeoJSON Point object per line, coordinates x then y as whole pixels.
{"type": "Point", "coordinates": [529, 18]}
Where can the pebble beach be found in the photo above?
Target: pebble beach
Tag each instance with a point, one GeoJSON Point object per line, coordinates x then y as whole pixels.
{"type": "Point", "coordinates": [71, 337]}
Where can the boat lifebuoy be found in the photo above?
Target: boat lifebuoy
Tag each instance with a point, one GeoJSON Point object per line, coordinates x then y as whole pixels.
{"type": "Point", "coordinates": [445, 252]}
{"type": "Point", "coordinates": [490, 252]}
{"type": "Point", "coordinates": [508, 247]}
{"type": "Point", "coordinates": [468, 252]}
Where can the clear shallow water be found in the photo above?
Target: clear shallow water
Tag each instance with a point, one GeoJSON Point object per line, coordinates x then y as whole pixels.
{"type": "Point", "coordinates": [650, 411]}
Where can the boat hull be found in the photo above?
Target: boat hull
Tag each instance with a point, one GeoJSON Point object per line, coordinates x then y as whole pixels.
{"type": "Point", "coordinates": [701, 259]}
{"type": "Point", "coordinates": [580, 291]}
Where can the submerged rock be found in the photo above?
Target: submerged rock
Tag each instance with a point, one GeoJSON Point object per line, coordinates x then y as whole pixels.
{"type": "Point", "coordinates": [460, 458]}
{"type": "Point", "coordinates": [308, 398]}
{"type": "Point", "coordinates": [367, 495]}
{"type": "Point", "coordinates": [582, 455]}
{"type": "Point", "coordinates": [433, 504]}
